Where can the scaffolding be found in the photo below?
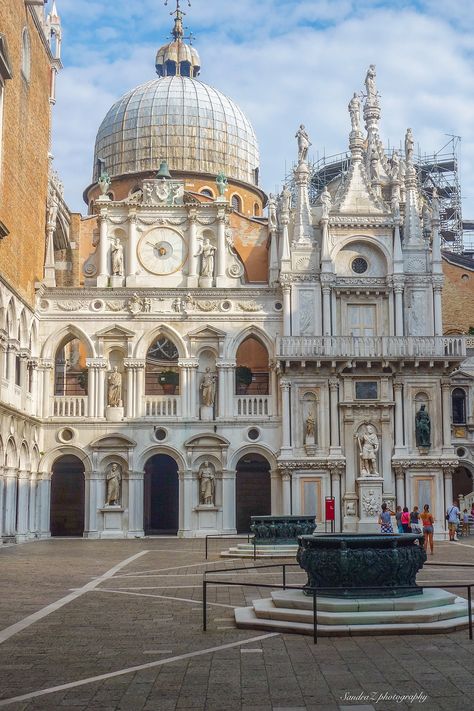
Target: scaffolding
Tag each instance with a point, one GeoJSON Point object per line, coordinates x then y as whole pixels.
{"type": "Point", "coordinates": [439, 170]}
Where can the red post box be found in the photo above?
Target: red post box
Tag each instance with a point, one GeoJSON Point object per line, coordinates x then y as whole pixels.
{"type": "Point", "coordinates": [330, 508]}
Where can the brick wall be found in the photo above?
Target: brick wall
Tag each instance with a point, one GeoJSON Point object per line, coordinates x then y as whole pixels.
{"type": "Point", "coordinates": [458, 298]}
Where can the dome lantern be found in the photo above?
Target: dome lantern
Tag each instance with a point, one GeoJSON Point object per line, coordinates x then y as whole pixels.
{"type": "Point", "coordinates": [177, 58]}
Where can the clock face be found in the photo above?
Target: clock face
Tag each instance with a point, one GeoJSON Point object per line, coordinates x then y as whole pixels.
{"type": "Point", "coordinates": [162, 251]}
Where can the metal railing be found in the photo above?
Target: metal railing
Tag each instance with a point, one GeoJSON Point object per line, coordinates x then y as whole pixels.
{"type": "Point", "coordinates": [234, 537]}
{"type": "Point", "coordinates": [314, 591]}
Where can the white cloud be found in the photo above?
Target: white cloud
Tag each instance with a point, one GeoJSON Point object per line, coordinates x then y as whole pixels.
{"type": "Point", "coordinates": [281, 71]}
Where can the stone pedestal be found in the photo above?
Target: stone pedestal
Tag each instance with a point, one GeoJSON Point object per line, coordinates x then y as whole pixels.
{"type": "Point", "coordinates": [114, 414]}
{"type": "Point", "coordinates": [205, 282]}
{"type": "Point", "coordinates": [207, 413]}
{"type": "Point", "coordinates": [207, 519]}
{"type": "Point", "coordinates": [113, 522]}
{"type": "Point", "coordinates": [370, 503]}
{"type": "Point", "coordinates": [116, 281]}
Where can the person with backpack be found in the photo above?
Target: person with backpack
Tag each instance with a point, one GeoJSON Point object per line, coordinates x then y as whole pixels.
{"type": "Point", "coordinates": [415, 521]}
{"type": "Point", "coordinates": [405, 519]}
{"type": "Point", "coordinates": [452, 517]}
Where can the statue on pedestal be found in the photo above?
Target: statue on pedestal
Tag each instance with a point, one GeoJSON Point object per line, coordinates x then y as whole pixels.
{"type": "Point", "coordinates": [409, 146]}
{"type": "Point", "coordinates": [310, 429]}
{"type": "Point", "coordinates": [368, 447]}
{"type": "Point", "coordinates": [208, 388]}
{"type": "Point", "coordinates": [206, 484]}
{"type": "Point", "coordinates": [221, 182]}
{"type": "Point", "coordinates": [285, 199]}
{"type": "Point", "coordinates": [303, 144]}
{"type": "Point", "coordinates": [117, 258]}
{"type": "Point", "coordinates": [354, 111]}
{"type": "Point", "coordinates": [114, 388]}
{"type": "Point", "coordinates": [423, 427]}
{"type": "Point", "coordinates": [272, 213]}
{"type": "Point", "coordinates": [326, 203]}
{"type": "Point", "coordinates": [207, 252]}
{"type": "Point", "coordinates": [114, 478]}
{"type": "Point", "coordinates": [370, 86]}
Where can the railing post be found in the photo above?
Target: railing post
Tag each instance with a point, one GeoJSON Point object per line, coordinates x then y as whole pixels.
{"type": "Point", "coordinates": [284, 576]}
{"type": "Point", "coordinates": [315, 618]}
{"type": "Point", "coordinates": [469, 611]}
{"type": "Point", "coordinates": [204, 604]}
{"type": "Point", "coordinates": [206, 547]}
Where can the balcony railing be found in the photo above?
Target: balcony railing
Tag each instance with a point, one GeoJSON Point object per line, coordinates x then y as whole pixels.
{"type": "Point", "coordinates": [69, 406]}
{"type": "Point", "coordinates": [162, 406]}
{"type": "Point", "coordinates": [319, 347]}
{"type": "Point", "coordinates": [252, 405]}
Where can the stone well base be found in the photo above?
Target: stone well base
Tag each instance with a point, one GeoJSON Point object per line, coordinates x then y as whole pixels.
{"type": "Point", "coordinates": [435, 611]}
{"type": "Point", "coordinates": [245, 550]}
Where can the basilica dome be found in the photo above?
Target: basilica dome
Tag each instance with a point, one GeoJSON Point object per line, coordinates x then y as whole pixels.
{"type": "Point", "coordinates": [177, 118]}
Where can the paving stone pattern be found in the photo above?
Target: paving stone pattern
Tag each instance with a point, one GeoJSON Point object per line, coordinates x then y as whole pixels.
{"type": "Point", "coordinates": [150, 612]}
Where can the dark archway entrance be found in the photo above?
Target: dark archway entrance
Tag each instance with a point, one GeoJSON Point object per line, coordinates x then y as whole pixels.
{"type": "Point", "coordinates": [252, 490]}
{"type": "Point", "coordinates": [67, 497]}
{"type": "Point", "coordinates": [161, 505]}
{"type": "Point", "coordinates": [462, 482]}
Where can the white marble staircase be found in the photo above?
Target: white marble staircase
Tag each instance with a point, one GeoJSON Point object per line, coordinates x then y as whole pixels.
{"type": "Point", "coordinates": [245, 550]}
{"type": "Point", "coordinates": [292, 611]}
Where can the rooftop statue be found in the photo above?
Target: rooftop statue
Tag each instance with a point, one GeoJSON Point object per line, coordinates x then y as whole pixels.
{"type": "Point", "coordinates": [326, 203]}
{"type": "Point", "coordinates": [435, 206]}
{"type": "Point", "coordinates": [409, 146]}
{"type": "Point", "coordinates": [370, 86]}
{"type": "Point", "coordinates": [285, 199]}
{"type": "Point", "coordinates": [221, 182]}
{"type": "Point", "coordinates": [354, 111]}
{"type": "Point", "coordinates": [272, 213]}
{"type": "Point", "coordinates": [395, 166]}
{"type": "Point", "coordinates": [104, 182]}
{"type": "Point", "coordinates": [303, 143]}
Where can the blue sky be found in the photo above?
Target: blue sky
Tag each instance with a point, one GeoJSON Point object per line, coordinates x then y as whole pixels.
{"type": "Point", "coordinates": [285, 63]}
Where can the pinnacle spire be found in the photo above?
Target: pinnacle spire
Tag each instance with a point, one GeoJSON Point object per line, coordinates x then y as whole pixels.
{"type": "Point", "coordinates": [178, 29]}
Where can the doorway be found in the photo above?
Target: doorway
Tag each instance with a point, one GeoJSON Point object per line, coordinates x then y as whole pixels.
{"type": "Point", "coordinates": [67, 497]}
{"type": "Point", "coordinates": [252, 490]}
{"type": "Point", "coordinates": [161, 504]}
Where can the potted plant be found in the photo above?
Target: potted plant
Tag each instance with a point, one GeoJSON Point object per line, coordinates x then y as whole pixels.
{"type": "Point", "coordinates": [243, 378]}
{"type": "Point", "coordinates": [169, 380]}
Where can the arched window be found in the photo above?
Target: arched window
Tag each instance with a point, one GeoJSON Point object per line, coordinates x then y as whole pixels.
{"type": "Point", "coordinates": [236, 203]}
{"type": "Point", "coordinates": [25, 55]}
{"type": "Point", "coordinates": [458, 402]}
{"type": "Point", "coordinates": [207, 192]}
{"type": "Point", "coordinates": [70, 370]}
{"type": "Point", "coordinates": [162, 371]}
{"type": "Point", "coordinates": [256, 209]}
{"type": "Point", "coordinates": [252, 368]}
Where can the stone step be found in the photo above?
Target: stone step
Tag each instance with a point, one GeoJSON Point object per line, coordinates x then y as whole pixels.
{"type": "Point", "coordinates": [246, 618]}
{"type": "Point", "coordinates": [245, 550]}
{"type": "Point", "coordinates": [264, 609]}
{"type": "Point", "coordinates": [431, 597]}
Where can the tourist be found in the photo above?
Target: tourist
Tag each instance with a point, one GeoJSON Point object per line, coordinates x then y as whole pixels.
{"type": "Point", "coordinates": [398, 517]}
{"type": "Point", "coordinates": [452, 517]}
{"type": "Point", "coordinates": [415, 520]}
{"type": "Point", "coordinates": [405, 519]}
{"type": "Point", "coordinates": [472, 509]}
{"type": "Point", "coordinates": [465, 523]}
{"type": "Point", "coordinates": [428, 523]}
{"type": "Point", "coordinates": [385, 520]}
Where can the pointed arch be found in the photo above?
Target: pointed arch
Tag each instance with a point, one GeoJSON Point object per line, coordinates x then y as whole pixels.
{"type": "Point", "coordinates": [24, 331]}
{"type": "Point", "coordinates": [55, 339]}
{"type": "Point", "coordinates": [33, 345]}
{"type": "Point", "coordinates": [11, 454]}
{"type": "Point", "coordinates": [250, 331]}
{"type": "Point", "coordinates": [162, 329]}
{"type": "Point", "coordinates": [11, 324]}
{"type": "Point", "coordinates": [35, 458]}
{"type": "Point", "coordinates": [24, 460]}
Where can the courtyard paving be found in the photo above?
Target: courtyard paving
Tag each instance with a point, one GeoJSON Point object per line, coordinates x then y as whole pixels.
{"type": "Point", "coordinates": [116, 625]}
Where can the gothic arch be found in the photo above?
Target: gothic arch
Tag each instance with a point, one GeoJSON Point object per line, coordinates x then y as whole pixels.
{"type": "Point", "coordinates": [54, 340]}
{"type": "Point", "coordinates": [34, 339]}
{"type": "Point", "coordinates": [11, 320]}
{"type": "Point", "coordinates": [11, 454]}
{"type": "Point", "coordinates": [47, 461]}
{"type": "Point", "coordinates": [24, 461]}
{"type": "Point", "coordinates": [24, 330]}
{"type": "Point", "coordinates": [162, 329]}
{"type": "Point", "coordinates": [248, 332]}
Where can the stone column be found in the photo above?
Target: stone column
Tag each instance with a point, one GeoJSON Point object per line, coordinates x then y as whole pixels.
{"type": "Point", "coordinates": [24, 355]}
{"type": "Point", "coordinates": [103, 276]}
{"type": "Point", "coordinates": [286, 289]}
{"type": "Point", "coordinates": [11, 358]}
{"type": "Point", "coordinates": [45, 505]}
{"type": "Point", "coordinates": [131, 266]}
{"type": "Point", "coordinates": [193, 390]}
{"type": "Point", "coordinates": [129, 410]}
{"type": "Point", "coordinates": [336, 493]}
{"type": "Point", "coordinates": [438, 315]}
{"type": "Point", "coordinates": [400, 485]}
{"type": "Point", "coordinates": [47, 368]}
{"type": "Point", "coordinates": [228, 501]}
{"type": "Point", "coordinates": [94, 499]}
{"type": "Point", "coordinates": [398, 289]}
{"type": "Point", "coordinates": [11, 476]}
{"type": "Point", "coordinates": [335, 439]}
{"type": "Point", "coordinates": [221, 249]}
{"type": "Point", "coordinates": [286, 491]}
{"type": "Point", "coordinates": [35, 395]}
{"type": "Point", "coordinates": [193, 248]}
{"type": "Point", "coordinates": [140, 389]}
{"type": "Point", "coordinates": [32, 523]}
{"type": "Point", "coordinates": [221, 390]}
{"type": "Point", "coordinates": [398, 396]}
{"type": "Point", "coordinates": [326, 310]}
{"type": "Point", "coordinates": [135, 504]}
{"type": "Point", "coordinates": [2, 497]}
{"type": "Point", "coordinates": [184, 388]}
{"type": "Point", "coordinates": [286, 414]}
{"type": "Point", "coordinates": [446, 410]}
{"type": "Point", "coordinates": [275, 484]}
{"type": "Point", "coordinates": [185, 502]}
{"type": "Point", "coordinates": [101, 374]}
{"type": "Point", "coordinates": [448, 494]}
{"type": "Point", "coordinates": [22, 506]}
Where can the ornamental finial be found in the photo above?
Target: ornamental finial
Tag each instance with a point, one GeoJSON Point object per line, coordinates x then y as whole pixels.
{"type": "Point", "coordinates": [178, 30]}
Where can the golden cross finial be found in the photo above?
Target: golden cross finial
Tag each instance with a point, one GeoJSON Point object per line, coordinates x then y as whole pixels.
{"type": "Point", "coordinates": [178, 31]}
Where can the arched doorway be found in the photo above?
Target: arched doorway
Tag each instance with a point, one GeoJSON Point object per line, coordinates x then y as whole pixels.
{"type": "Point", "coordinates": [252, 490]}
{"type": "Point", "coordinates": [462, 482]}
{"type": "Point", "coordinates": [161, 504]}
{"type": "Point", "coordinates": [67, 497]}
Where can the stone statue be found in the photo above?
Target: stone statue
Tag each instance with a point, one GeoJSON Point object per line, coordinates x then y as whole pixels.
{"type": "Point", "coordinates": [221, 182]}
{"type": "Point", "coordinates": [370, 87]}
{"type": "Point", "coordinates": [146, 305]}
{"type": "Point", "coordinates": [310, 428]}
{"type": "Point", "coordinates": [272, 213]}
{"type": "Point", "coordinates": [395, 172]}
{"type": "Point", "coordinates": [104, 182]}
{"type": "Point", "coordinates": [326, 203]}
{"type": "Point", "coordinates": [395, 205]}
{"type": "Point", "coordinates": [354, 111]}
{"type": "Point", "coordinates": [114, 389]}
{"type": "Point", "coordinates": [374, 164]}
{"type": "Point", "coordinates": [303, 144]}
{"type": "Point", "coordinates": [53, 207]}
{"type": "Point", "coordinates": [285, 199]}
{"type": "Point", "coordinates": [423, 428]}
{"type": "Point", "coordinates": [435, 216]}
{"type": "Point", "coordinates": [208, 388]}
{"type": "Point", "coordinates": [370, 503]}
{"type": "Point", "coordinates": [368, 447]}
{"type": "Point", "coordinates": [409, 146]}
{"type": "Point", "coordinates": [207, 486]}
{"type": "Point", "coordinates": [207, 252]}
{"type": "Point", "coordinates": [117, 258]}
{"type": "Point", "coordinates": [114, 478]}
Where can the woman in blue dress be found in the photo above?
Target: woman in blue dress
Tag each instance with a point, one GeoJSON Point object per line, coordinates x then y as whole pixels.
{"type": "Point", "coordinates": [385, 520]}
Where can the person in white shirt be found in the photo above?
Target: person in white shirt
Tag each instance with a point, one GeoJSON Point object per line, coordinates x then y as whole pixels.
{"type": "Point", "coordinates": [452, 517]}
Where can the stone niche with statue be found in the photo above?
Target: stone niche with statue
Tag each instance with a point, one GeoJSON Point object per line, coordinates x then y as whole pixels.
{"type": "Point", "coordinates": [206, 481]}
{"type": "Point", "coordinates": [369, 480]}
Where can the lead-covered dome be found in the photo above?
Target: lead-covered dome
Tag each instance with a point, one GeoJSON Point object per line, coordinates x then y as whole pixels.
{"type": "Point", "coordinates": [182, 120]}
